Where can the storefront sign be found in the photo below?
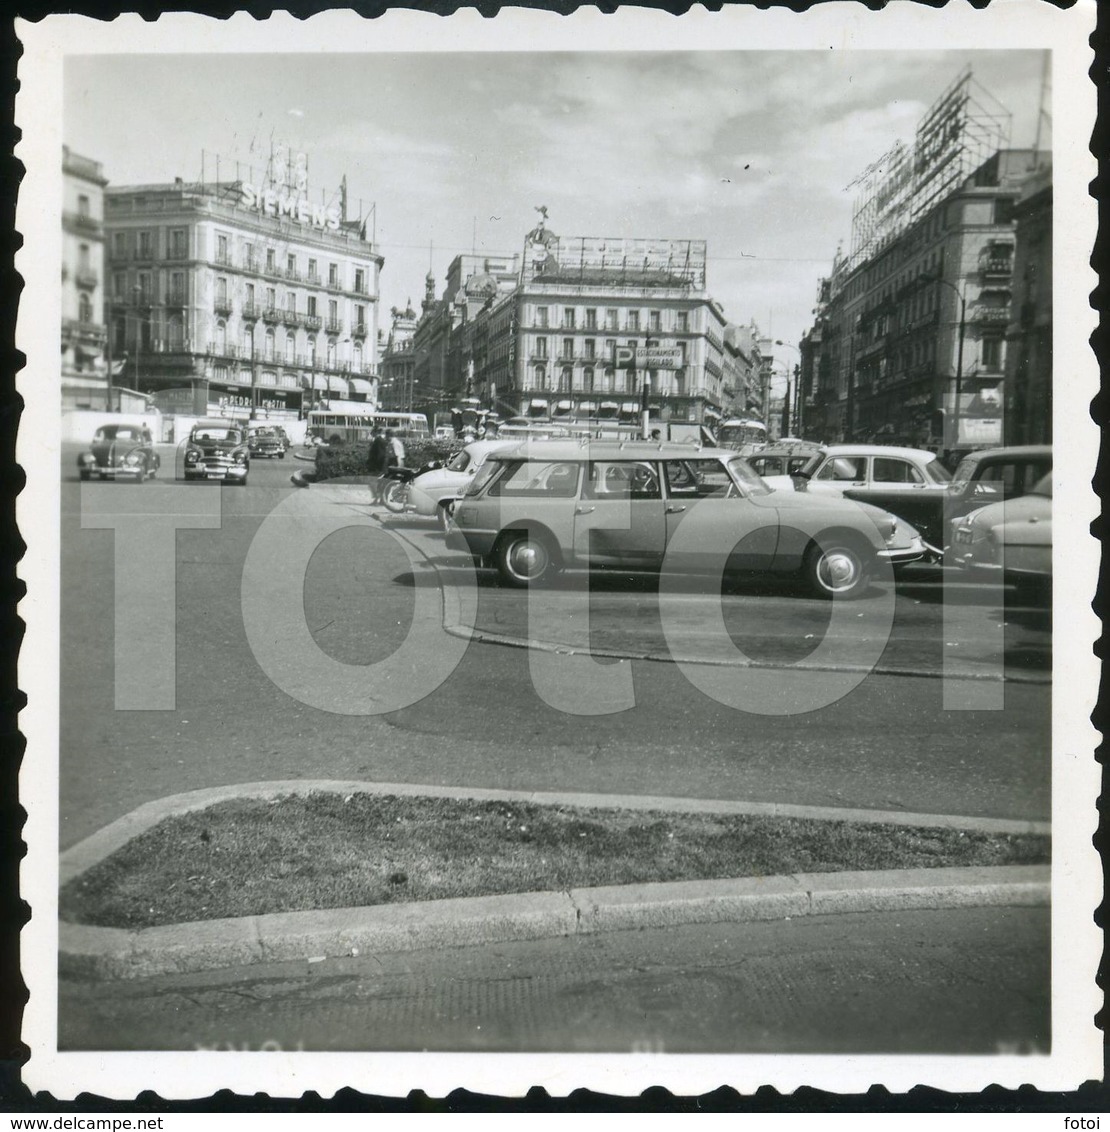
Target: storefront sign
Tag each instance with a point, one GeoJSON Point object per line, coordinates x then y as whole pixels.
{"type": "Point", "coordinates": [237, 401]}
{"type": "Point", "coordinates": [646, 357]}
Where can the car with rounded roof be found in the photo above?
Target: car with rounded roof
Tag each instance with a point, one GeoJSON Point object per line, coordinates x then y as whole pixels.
{"type": "Point", "coordinates": [120, 450]}
{"type": "Point", "coordinates": [433, 493]}
{"type": "Point", "coordinates": [1011, 539]}
{"type": "Point", "coordinates": [539, 507]}
{"type": "Point", "coordinates": [263, 440]}
{"type": "Point", "coordinates": [217, 450]}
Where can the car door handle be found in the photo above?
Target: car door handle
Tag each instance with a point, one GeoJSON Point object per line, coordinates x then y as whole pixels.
{"type": "Point", "coordinates": [582, 510]}
{"type": "Point", "coordinates": [675, 508]}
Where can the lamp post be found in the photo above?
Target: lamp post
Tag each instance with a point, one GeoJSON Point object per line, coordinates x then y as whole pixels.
{"type": "Point", "coordinates": [959, 355]}
{"type": "Point", "coordinates": [793, 389]}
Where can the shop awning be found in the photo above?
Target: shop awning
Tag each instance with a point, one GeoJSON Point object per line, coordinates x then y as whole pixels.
{"type": "Point", "coordinates": [629, 407]}
{"type": "Point", "coordinates": [562, 406]}
{"type": "Point", "coordinates": [538, 403]}
{"type": "Point", "coordinates": [609, 405]}
{"type": "Point", "coordinates": [317, 381]}
{"type": "Point", "coordinates": [588, 406]}
{"type": "Point", "coordinates": [337, 384]}
{"type": "Point", "coordinates": [361, 385]}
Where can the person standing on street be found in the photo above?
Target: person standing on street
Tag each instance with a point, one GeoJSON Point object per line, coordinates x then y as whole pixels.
{"type": "Point", "coordinates": [397, 449]}
{"type": "Point", "coordinates": [377, 464]}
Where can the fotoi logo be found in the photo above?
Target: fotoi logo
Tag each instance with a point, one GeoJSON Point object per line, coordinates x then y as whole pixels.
{"type": "Point", "coordinates": [572, 680]}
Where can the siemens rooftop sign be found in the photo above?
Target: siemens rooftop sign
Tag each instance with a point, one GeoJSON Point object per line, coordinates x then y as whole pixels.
{"type": "Point", "coordinates": [275, 203]}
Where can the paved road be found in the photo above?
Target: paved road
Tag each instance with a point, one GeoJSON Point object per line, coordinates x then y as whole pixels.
{"type": "Point", "coordinates": [970, 980]}
{"type": "Point", "coordinates": [890, 743]}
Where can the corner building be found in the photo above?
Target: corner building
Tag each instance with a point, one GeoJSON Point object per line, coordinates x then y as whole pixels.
{"type": "Point", "coordinates": [227, 298]}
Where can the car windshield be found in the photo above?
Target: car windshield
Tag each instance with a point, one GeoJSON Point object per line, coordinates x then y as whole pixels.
{"type": "Point", "coordinates": [216, 433]}
{"type": "Point", "coordinates": [459, 462]}
{"type": "Point", "coordinates": [747, 477]}
{"type": "Point", "coordinates": [485, 473]}
{"type": "Point", "coordinates": [118, 432]}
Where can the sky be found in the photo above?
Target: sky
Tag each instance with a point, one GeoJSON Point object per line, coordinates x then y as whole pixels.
{"type": "Point", "coordinates": [751, 151]}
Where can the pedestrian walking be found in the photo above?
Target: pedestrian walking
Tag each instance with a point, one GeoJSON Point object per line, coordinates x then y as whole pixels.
{"type": "Point", "coordinates": [377, 464]}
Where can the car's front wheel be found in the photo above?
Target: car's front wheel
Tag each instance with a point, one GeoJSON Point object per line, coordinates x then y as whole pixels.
{"type": "Point", "coordinates": [836, 569]}
{"type": "Point", "coordinates": [524, 559]}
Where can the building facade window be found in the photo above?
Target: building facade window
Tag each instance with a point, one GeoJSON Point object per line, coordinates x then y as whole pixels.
{"type": "Point", "coordinates": [176, 333]}
{"type": "Point", "coordinates": [291, 302]}
{"type": "Point", "coordinates": [611, 319]}
{"type": "Point", "coordinates": [589, 346]}
{"type": "Point", "coordinates": [291, 264]}
{"type": "Point", "coordinates": [312, 349]}
{"type": "Point", "coordinates": [591, 318]}
{"type": "Point", "coordinates": [541, 348]}
{"type": "Point", "coordinates": [333, 311]}
{"type": "Point", "coordinates": [119, 285]}
{"type": "Point", "coordinates": [271, 298]}
{"type": "Point", "coordinates": [221, 337]}
{"type": "Point", "coordinates": [290, 347]}
{"type": "Point", "coordinates": [269, 345]}
{"type": "Point", "coordinates": [84, 308]}
{"type": "Point", "coordinates": [331, 351]}
{"type": "Point", "coordinates": [565, 376]}
{"type": "Point", "coordinates": [250, 295]}
{"type": "Point", "coordinates": [360, 280]}
{"type": "Point", "coordinates": [588, 379]}
{"type": "Point", "coordinates": [119, 245]}
{"type": "Point", "coordinates": [313, 271]}
{"type": "Point", "coordinates": [990, 354]}
{"type": "Point", "coordinates": [312, 306]}
{"type": "Point", "coordinates": [177, 287]}
{"type": "Point", "coordinates": [83, 260]}
{"type": "Point", "coordinates": [633, 320]}
{"type": "Point", "coordinates": [655, 321]}
{"type": "Point", "coordinates": [540, 376]}
{"type": "Point", "coordinates": [146, 245]}
{"type": "Point", "coordinates": [541, 317]}
{"type": "Point", "coordinates": [179, 243]}
{"type": "Point", "coordinates": [568, 318]}
{"type": "Point", "coordinates": [145, 290]}
{"type": "Point", "coordinates": [82, 204]}
{"type": "Point", "coordinates": [333, 274]}
{"type": "Point", "coordinates": [221, 291]}
{"type": "Point", "coordinates": [360, 318]}
{"type": "Point", "coordinates": [248, 256]}
{"type": "Point", "coordinates": [568, 348]}
{"type": "Point", "coordinates": [221, 248]}
{"type": "Point", "coordinates": [247, 341]}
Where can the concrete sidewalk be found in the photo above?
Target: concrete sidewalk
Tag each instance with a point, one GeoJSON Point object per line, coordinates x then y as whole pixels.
{"type": "Point", "coordinates": [113, 953]}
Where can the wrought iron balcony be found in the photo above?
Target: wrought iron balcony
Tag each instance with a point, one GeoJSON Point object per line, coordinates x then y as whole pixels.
{"type": "Point", "coordinates": [86, 277]}
{"type": "Point", "coordinates": [252, 311]}
{"type": "Point", "coordinates": [222, 306]}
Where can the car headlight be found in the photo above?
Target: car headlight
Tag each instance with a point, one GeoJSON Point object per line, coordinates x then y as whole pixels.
{"type": "Point", "coordinates": [240, 457]}
{"type": "Point", "coordinates": [133, 459]}
{"type": "Point", "coordinates": [192, 455]}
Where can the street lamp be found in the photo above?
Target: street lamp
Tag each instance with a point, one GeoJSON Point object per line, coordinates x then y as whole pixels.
{"type": "Point", "coordinates": [793, 389]}
{"type": "Point", "coordinates": [959, 352]}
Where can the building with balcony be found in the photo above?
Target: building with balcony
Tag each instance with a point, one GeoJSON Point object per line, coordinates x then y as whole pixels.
{"type": "Point", "coordinates": [84, 369]}
{"type": "Point", "coordinates": [227, 298]}
{"type": "Point", "coordinates": [398, 362]}
{"type": "Point", "coordinates": [1028, 407]}
{"type": "Point", "coordinates": [909, 342]}
{"type": "Point", "coordinates": [539, 336]}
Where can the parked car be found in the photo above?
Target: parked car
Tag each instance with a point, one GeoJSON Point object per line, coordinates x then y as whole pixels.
{"type": "Point", "coordinates": [1012, 537]}
{"type": "Point", "coordinates": [217, 450]}
{"type": "Point", "coordinates": [433, 493]}
{"type": "Point", "coordinates": [283, 436]}
{"type": "Point", "coordinates": [534, 509]}
{"type": "Point", "coordinates": [264, 441]}
{"type": "Point", "coordinates": [123, 450]}
{"type": "Point", "coordinates": [985, 476]}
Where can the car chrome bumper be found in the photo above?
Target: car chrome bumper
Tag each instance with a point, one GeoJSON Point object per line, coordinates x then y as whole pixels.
{"type": "Point", "coordinates": [899, 556]}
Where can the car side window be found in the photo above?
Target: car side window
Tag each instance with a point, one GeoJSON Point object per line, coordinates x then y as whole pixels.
{"type": "Point", "coordinates": [697, 479]}
{"type": "Point", "coordinates": [621, 479]}
{"type": "Point", "coordinates": [999, 480]}
{"type": "Point", "coordinates": [886, 469]}
{"type": "Point", "coordinates": [555, 479]}
{"type": "Point", "coordinates": [842, 468]}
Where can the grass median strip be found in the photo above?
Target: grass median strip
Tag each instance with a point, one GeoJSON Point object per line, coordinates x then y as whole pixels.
{"type": "Point", "coordinates": [296, 853]}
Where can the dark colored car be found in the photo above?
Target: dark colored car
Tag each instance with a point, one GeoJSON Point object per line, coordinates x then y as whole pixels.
{"type": "Point", "coordinates": [266, 442]}
{"type": "Point", "coordinates": [123, 451]}
{"type": "Point", "coordinates": [217, 450]}
{"type": "Point", "coordinates": [283, 436]}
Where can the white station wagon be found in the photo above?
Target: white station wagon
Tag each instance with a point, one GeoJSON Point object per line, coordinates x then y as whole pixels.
{"type": "Point", "coordinates": [539, 507]}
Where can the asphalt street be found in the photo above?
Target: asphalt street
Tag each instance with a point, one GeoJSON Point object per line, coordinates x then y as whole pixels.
{"type": "Point", "coordinates": [965, 981]}
{"type": "Point", "coordinates": [891, 742]}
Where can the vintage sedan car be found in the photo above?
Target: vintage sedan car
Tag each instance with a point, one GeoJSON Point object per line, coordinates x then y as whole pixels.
{"type": "Point", "coordinates": [433, 493]}
{"type": "Point", "coordinates": [264, 441]}
{"type": "Point", "coordinates": [539, 507]}
{"type": "Point", "coordinates": [120, 451]}
{"type": "Point", "coordinates": [217, 450]}
{"type": "Point", "coordinates": [1012, 538]}
{"type": "Point", "coordinates": [283, 436]}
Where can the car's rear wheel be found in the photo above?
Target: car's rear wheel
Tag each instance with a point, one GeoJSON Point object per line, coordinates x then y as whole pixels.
{"type": "Point", "coordinates": [524, 559]}
{"type": "Point", "coordinates": [836, 569]}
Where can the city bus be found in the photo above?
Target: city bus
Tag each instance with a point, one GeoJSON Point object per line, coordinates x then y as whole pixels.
{"type": "Point", "coordinates": [743, 434]}
{"type": "Point", "coordinates": [325, 424]}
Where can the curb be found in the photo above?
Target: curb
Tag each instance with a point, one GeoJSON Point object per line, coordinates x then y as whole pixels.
{"type": "Point", "coordinates": [455, 625]}
{"type": "Point", "coordinates": [112, 953]}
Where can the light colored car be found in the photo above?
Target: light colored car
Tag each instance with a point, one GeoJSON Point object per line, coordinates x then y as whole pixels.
{"type": "Point", "coordinates": [433, 493]}
{"type": "Point", "coordinates": [1012, 538]}
{"type": "Point", "coordinates": [860, 468]}
{"type": "Point", "coordinates": [539, 507]}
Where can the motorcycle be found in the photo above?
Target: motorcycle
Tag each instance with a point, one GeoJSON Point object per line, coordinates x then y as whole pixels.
{"type": "Point", "coordinates": [395, 492]}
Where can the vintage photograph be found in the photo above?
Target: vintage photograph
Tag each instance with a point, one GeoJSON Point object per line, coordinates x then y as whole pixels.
{"type": "Point", "coordinates": [553, 535]}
